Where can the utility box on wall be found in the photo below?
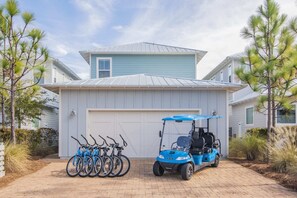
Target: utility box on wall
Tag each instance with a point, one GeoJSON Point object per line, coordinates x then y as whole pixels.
{"type": "Point", "coordinates": [2, 171]}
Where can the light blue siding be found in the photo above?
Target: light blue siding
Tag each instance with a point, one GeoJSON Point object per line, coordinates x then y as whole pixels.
{"type": "Point", "coordinates": [167, 65]}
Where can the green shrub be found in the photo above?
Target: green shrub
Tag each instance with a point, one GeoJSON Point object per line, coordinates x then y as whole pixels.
{"type": "Point", "coordinates": [16, 158]}
{"type": "Point", "coordinates": [261, 132]}
{"type": "Point", "coordinates": [250, 146]}
{"type": "Point", "coordinates": [283, 149]}
{"type": "Point", "coordinates": [41, 142]}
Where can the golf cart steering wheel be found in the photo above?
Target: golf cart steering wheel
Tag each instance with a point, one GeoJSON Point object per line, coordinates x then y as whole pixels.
{"type": "Point", "coordinates": [173, 144]}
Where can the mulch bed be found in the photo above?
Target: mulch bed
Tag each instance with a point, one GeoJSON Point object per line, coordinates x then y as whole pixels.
{"type": "Point", "coordinates": [9, 177]}
{"type": "Point", "coordinates": [286, 180]}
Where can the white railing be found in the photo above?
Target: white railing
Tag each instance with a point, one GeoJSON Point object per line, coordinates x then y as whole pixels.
{"type": "Point", "coordinates": [2, 171]}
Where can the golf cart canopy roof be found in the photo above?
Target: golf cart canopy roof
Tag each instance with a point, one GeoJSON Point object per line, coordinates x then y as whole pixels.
{"type": "Point", "coordinates": [190, 117]}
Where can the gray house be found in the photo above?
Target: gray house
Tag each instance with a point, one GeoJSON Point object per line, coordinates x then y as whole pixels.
{"type": "Point", "coordinates": [133, 105]}
{"type": "Point", "coordinates": [242, 103]}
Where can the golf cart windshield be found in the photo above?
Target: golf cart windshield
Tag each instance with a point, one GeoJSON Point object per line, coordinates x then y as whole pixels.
{"type": "Point", "coordinates": [177, 136]}
{"type": "Point", "coordinates": [178, 129]}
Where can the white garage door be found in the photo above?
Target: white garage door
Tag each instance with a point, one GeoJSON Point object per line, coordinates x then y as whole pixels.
{"type": "Point", "coordinates": [139, 128]}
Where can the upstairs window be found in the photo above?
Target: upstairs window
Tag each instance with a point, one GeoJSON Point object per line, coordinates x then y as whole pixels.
{"type": "Point", "coordinates": [286, 116]}
{"type": "Point", "coordinates": [249, 115]}
{"type": "Point", "coordinates": [221, 76]}
{"type": "Point", "coordinates": [230, 73]}
{"type": "Point", "coordinates": [103, 67]}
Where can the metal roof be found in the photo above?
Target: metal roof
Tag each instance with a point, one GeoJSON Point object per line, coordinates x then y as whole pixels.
{"type": "Point", "coordinates": [190, 117]}
{"type": "Point", "coordinates": [66, 69]}
{"type": "Point", "coordinates": [143, 81]}
{"type": "Point", "coordinates": [143, 48]}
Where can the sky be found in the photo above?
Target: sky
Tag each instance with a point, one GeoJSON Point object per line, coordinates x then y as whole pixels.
{"type": "Point", "coordinates": [210, 25]}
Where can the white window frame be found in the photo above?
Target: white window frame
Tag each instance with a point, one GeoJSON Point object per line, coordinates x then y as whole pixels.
{"type": "Point", "coordinates": [97, 65]}
{"type": "Point", "coordinates": [222, 76]}
{"type": "Point", "coordinates": [286, 123]}
{"type": "Point", "coordinates": [245, 115]}
{"type": "Point", "coordinates": [230, 73]}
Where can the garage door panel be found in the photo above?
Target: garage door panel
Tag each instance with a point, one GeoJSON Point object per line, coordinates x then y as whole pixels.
{"type": "Point", "coordinates": [132, 132]}
{"type": "Point", "coordinates": [139, 128]}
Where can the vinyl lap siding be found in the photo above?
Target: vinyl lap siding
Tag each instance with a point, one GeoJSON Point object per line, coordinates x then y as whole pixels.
{"type": "Point", "coordinates": [50, 118]}
{"type": "Point", "coordinates": [168, 65]}
{"type": "Point", "coordinates": [238, 116]}
{"type": "Point", "coordinates": [80, 101]}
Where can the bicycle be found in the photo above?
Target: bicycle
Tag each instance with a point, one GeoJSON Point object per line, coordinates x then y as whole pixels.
{"type": "Point", "coordinates": [75, 162]}
{"type": "Point", "coordinates": [88, 163]}
{"type": "Point", "coordinates": [107, 161]}
{"type": "Point", "coordinates": [117, 162]}
{"type": "Point", "coordinates": [125, 159]}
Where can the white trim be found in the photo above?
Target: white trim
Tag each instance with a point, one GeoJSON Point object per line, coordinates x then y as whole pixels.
{"type": "Point", "coordinates": [247, 107]}
{"type": "Point", "coordinates": [60, 123]}
{"type": "Point", "coordinates": [97, 65]}
{"type": "Point", "coordinates": [199, 111]}
{"type": "Point", "coordinates": [282, 124]}
{"type": "Point", "coordinates": [227, 123]}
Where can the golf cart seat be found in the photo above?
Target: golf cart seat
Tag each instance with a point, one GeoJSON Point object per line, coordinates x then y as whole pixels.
{"type": "Point", "coordinates": [183, 141]}
{"type": "Point", "coordinates": [198, 143]}
{"type": "Point", "coordinates": [210, 140]}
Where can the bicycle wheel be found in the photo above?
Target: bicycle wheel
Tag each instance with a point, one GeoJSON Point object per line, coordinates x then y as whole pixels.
{"type": "Point", "coordinates": [126, 165]}
{"type": "Point", "coordinates": [74, 166]}
{"type": "Point", "coordinates": [107, 166]}
{"type": "Point", "coordinates": [87, 166]}
{"type": "Point", "coordinates": [117, 166]}
{"type": "Point", "coordinates": [97, 166]}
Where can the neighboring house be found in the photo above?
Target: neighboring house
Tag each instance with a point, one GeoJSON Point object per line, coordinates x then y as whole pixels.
{"type": "Point", "coordinates": [143, 58]}
{"type": "Point", "coordinates": [56, 72]}
{"type": "Point", "coordinates": [133, 105]}
{"type": "Point", "coordinates": [242, 109]}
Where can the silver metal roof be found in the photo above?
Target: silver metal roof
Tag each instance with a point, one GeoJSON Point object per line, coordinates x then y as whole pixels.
{"type": "Point", "coordinates": [143, 48]}
{"type": "Point", "coordinates": [143, 81]}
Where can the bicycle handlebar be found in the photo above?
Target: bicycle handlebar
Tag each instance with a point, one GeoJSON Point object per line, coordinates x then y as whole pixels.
{"type": "Point", "coordinates": [112, 139]}
{"type": "Point", "coordinates": [103, 140]}
{"type": "Point", "coordinates": [77, 141]}
{"type": "Point", "coordinates": [96, 141]}
{"type": "Point", "coordinates": [124, 142]}
{"type": "Point", "coordinates": [85, 140]}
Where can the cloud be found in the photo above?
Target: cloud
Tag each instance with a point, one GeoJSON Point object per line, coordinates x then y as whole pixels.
{"type": "Point", "coordinates": [117, 27]}
{"type": "Point", "coordinates": [208, 25]}
{"type": "Point", "coordinates": [96, 15]}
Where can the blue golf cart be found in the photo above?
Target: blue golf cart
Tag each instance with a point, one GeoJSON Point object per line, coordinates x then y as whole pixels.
{"type": "Point", "coordinates": [187, 150]}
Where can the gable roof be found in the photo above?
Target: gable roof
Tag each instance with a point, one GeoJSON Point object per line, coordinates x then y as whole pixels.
{"type": "Point", "coordinates": [65, 69]}
{"type": "Point", "coordinates": [143, 48]}
{"type": "Point", "coordinates": [222, 64]}
{"type": "Point", "coordinates": [143, 81]}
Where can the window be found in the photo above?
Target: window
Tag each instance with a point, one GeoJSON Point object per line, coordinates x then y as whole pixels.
{"type": "Point", "coordinates": [55, 75]}
{"type": "Point", "coordinates": [249, 115]}
{"type": "Point", "coordinates": [230, 73]}
{"type": "Point", "coordinates": [286, 116]}
{"type": "Point", "coordinates": [103, 67]}
{"type": "Point", "coordinates": [221, 76]}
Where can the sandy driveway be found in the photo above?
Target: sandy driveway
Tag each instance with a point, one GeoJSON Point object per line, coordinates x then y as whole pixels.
{"type": "Point", "coordinates": [229, 180]}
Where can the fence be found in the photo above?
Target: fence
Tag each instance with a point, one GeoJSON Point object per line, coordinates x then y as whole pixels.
{"type": "Point", "coordinates": [2, 171]}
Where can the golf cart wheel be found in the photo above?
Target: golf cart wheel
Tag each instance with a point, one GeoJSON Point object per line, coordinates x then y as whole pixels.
{"type": "Point", "coordinates": [216, 162]}
{"type": "Point", "coordinates": [187, 171]}
{"type": "Point", "coordinates": [157, 169]}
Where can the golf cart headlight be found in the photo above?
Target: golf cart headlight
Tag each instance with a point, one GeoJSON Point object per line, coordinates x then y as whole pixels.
{"type": "Point", "coordinates": [161, 156]}
{"type": "Point", "coordinates": [182, 158]}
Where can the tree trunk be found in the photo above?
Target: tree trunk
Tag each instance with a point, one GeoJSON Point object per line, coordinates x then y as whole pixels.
{"type": "Point", "coordinates": [273, 109]}
{"type": "Point", "coordinates": [12, 107]}
{"type": "Point", "coordinates": [3, 111]}
{"type": "Point", "coordinates": [268, 116]}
